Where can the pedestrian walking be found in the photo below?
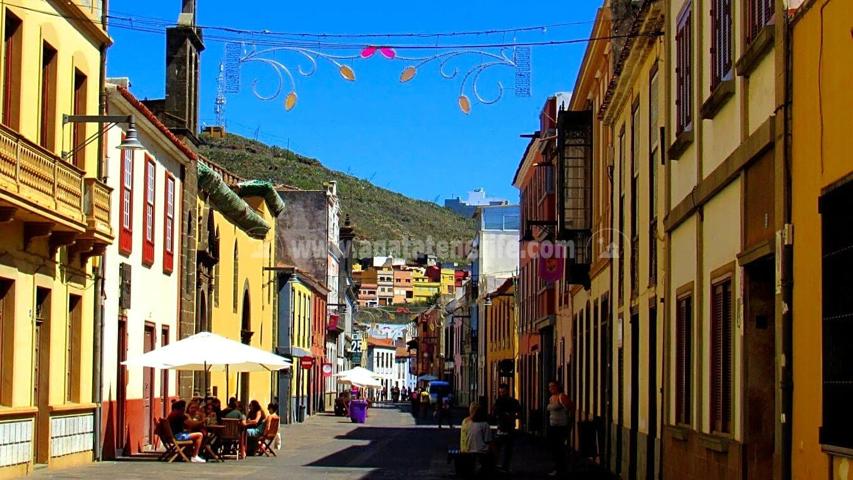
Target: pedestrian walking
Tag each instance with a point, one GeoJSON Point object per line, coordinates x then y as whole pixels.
{"type": "Point", "coordinates": [442, 412]}
{"type": "Point", "coordinates": [506, 411]}
{"type": "Point", "coordinates": [560, 413]}
{"type": "Point", "coordinates": [424, 401]}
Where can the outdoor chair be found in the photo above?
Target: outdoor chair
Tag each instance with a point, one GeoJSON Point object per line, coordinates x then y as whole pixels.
{"type": "Point", "coordinates": [230, 440]}
{"type": "Point", "coordinates": [174, 448]}
{"type": "Point", "coordinates": [268, 437]}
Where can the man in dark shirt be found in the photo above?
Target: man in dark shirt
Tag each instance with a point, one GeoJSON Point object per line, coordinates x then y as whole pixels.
{"type": "Point", "coordinates": [506, 411]}
{"type": "Point", "coordinates": [179, 423]}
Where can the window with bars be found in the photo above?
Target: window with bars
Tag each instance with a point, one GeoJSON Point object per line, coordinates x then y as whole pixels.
{"type": "Point", "coordinates": [759, 13]}
{"type": "Point", "coordinates": [721, 41]}
{"type": "Point", "coordinates": [721, 356]}
{"type": "Point", "coordinates": [621, 232]}
{"type": "Point", "coordinates": [148, 215]}
{"type": "Point", "coordinates": [635, 198]}
{"type": "Point", "coordinates": [234, 279]}
{"type": "Point", "coordinates": [125, 242]}
{"type": "Point", "coordinates": [836, 209]}
{"type": "Point", "coordinates": [12, 55]}
{"type": "Point", "coordinates": [654, 152]}
{"type": "Point", "coordinates": [79, 104]}
{"type": "Point", "coordinates": [684, 69]}
{"type": "Point", "coordinates": [683, 360]}
{"type": "Point", "coordinates": [47, 111]}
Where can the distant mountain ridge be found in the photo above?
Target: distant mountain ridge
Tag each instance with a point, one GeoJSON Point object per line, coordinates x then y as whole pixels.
{"type": "Point", "coordinates": [377, 214]}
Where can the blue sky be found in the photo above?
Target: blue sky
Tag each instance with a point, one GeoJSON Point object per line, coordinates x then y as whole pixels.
{"type": "Point", "coordinates": [412, 137]}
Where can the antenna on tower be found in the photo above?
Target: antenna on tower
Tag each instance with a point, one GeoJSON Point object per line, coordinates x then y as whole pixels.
{"type": "Point", "coordinates": [219, 103]}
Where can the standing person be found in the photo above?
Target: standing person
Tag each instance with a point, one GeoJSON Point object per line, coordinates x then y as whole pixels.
{"type": "Point", "coordinates": [506, 411]}
{"type": "Point", "coordinates": [181, 425]}
{"type": "Point", "coordinates": [415, 398]}
{"type": "Point", "coordinates": [560, 412]}
{"type": "Point", "coordinates": [424, 398]}
{"type": "Point", "coordinates": [475, 436]}
{"type": "Point", "coordinates": [442, 411]}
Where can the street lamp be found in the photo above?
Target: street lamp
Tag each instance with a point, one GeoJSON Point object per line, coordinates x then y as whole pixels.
{"type": "Point", "coordinates": [130, 141]}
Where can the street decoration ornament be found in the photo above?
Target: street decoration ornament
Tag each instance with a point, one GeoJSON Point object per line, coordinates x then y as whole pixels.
{"type": "Point", "coordinates": [237, 54]}
{"type": "Point", "coordinates": [465, 65]}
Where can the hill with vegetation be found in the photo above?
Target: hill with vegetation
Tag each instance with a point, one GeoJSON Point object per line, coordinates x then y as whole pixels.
{"type": "Point", "coordinates": [377, 214]}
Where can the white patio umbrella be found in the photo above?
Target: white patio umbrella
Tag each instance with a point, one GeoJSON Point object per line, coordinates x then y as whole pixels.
{"type": "Point", "coordinates": [360, 380]}
{"type": "Point", "coordinates": [427, 378]}
{"type": "Point", "coordinates": [359, 371]}
{"type": "Point", "coordinates": [207, 352]}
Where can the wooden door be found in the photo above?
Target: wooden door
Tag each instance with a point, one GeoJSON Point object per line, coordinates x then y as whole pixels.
{"type": "Point", "coordinates": [148, 389]}
{"type": "Point", "coordinates": [759, 345]}
{"type": "Point", "coordinates": [635, 396]}
{"type": "Point", "coordinates": [121, 387]}
{"type": "Point", "coordinates": [41, 375]}
{"type": "Point", "coordinates": [651, 458]}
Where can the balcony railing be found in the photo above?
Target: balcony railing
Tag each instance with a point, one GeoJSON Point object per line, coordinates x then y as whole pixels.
{"type": "Point", "coordinates": [39, 177]}
{"type": "Point", "coordinates": [98, 209]}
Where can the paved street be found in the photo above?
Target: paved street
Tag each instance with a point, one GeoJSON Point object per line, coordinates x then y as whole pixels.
{"type": "Point", "coordinates": [389, 445]}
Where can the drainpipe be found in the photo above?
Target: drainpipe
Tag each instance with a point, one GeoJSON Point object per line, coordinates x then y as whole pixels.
{"type": "Point", "coordinates": [98, 330]}
{"type": "Point", "coordinates": [786, 270]}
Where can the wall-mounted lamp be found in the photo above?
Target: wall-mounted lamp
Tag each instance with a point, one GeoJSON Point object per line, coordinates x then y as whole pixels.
{"type": "Point", "coordinates": [130, 141]}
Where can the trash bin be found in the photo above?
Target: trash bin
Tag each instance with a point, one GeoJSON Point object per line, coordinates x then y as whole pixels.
{"type": "Point", "coordinates": [358, 411]}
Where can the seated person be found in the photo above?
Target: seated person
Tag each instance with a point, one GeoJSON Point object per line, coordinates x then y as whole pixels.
{"type": "Point", "coordinates": [211, 417]}
{"type": "Point", "coordinates": [476, 436]}
{"type": "Point", "coordinates": [181, 425]}
{"type": "Point", "coordinates": [232, 411]}
{"type": "Point", "coordinates": [195, 413]}
{"type": "Point", "coordinates": [272, 408]}
{"type": "Point", "coordinates": [254, 424]}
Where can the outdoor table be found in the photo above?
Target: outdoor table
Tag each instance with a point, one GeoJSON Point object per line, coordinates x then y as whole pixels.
{"type": "Point", "coordinates": [211, 435]}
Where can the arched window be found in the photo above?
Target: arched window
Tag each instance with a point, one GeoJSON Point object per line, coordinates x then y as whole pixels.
{"type": "Point", "coordinates": [216, 279]}
{"type": "Point", "coordinates": [234, 281]}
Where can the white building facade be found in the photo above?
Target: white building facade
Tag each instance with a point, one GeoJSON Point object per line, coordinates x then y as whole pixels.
{"type": "Point", "coordinates": [141, 269]}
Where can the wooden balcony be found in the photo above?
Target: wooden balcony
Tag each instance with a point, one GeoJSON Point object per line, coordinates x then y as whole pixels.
{"type": "Point", "coordinates": [97, 209]}
{"type": "Point", "coordinates": [38, 187]}
{"type": "Point", "coordinates": [51, 197]}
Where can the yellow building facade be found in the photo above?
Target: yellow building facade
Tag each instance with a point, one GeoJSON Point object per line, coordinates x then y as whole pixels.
{"type": "Point", "coordinates": [501, 339]}
{"type": "Point", "coordinates": [821, 172]}
{"type": "Point", "coordinates": [631, 111]}
{"type": "Point", "coordinates": [448, 281]}
{"type": "Point", "coordinates": [724, 71]}
{"type": "Point", "coordinates": [237, 298]}
{"type": "Point", "coordinates": [423, 287]}
{"type": "Point", "coordinates": [55, 216]}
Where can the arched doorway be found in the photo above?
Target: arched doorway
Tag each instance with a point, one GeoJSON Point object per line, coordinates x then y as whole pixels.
{"type": "Point", "coordinates": [246, 337]}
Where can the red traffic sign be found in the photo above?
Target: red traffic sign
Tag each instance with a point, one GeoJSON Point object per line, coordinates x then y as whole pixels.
{"type": "Point", "coordinates": [306, 362]}
{"type": "Point", "coordinates": [327, 369]}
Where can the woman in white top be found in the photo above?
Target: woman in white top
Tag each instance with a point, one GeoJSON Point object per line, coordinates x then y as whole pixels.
{"type": "Point", "coordinates": [476, 434]}
{"type": "Point", "coordinates": [560, 412]}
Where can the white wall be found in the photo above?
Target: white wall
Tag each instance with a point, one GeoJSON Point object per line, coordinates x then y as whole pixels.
{"type": "Point", "coordinates": [154, 294]}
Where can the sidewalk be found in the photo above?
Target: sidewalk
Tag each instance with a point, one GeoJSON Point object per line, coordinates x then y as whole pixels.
{"type": "Point", "coordinates": [390, 445]}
